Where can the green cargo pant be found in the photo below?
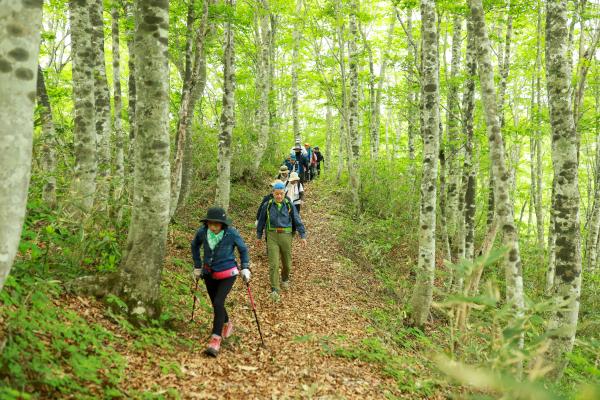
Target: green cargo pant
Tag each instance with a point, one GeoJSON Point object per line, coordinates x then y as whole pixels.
{"type": "Point", "coordinates": [279, 245]}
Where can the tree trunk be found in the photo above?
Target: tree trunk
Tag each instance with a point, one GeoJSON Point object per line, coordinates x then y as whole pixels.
{"type": "Point", "coordinates": [193, 88]}
{"type": "Point", "coordinates": [469, 180]}
{"type": "Point", "coordinates": [537, 170]}
{"type": "Point", "coordinates": [453, 154]}
{"type": "Point", "coordinates": [328, 134]}
{"type": "Point", "coordinates": [84, 130]}
{"type": "Point", "coordinates": [353, 135]}
{"type": "Point", "coordinates": [101, 104]}
{"type": "Point", "coordinates": [49, 141]}
{"type": "Point", "coordinates": [263, 69]}
{"type": "Point", "coordinates": [146, 243]}
{"type": "Point", "coordinates": [295, 64]}
{"type": "Point", "coordinates": [505, 64]}
{"type": "Point", "coordinates": [565, 159]}
{"type": "Point", "coordinates": [119, 133]}
{"type": "Point", "coordinates": [502, 199]}
{"type": "Point", "coordinates": [422, 294]}
{"type": "Point", "coordinates": [18, 68]}
{"type": "Point", "coordinates": [131, 98]}
{"type": "Point", "coordinates": [227, 116]}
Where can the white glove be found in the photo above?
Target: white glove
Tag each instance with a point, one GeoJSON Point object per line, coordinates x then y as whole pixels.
{"type": "Point", "coordinates": [197, 273]}
{"type": "Point", "coordinates": [246, 274]}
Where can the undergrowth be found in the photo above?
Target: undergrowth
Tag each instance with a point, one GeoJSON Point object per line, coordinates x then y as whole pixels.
{"type": "Point", "coordinates": [382, 241]}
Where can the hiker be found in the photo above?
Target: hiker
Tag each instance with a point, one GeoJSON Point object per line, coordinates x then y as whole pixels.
{"type": "Point", "coordinates": [297, 144]}
{"type": "Point", "coordinates": [289, 163]}
{"type": "Point", "coordinates": [294, 190]}
{"type": "Point", "coordinates": [301, 165]}
{"type": "Point", "coordinates": [283, 174]}
{"type": "Point", "coordinates": [320, 159]}
{"type": "Point", "coordinates": [312, 162]}
{"type": "Point", "coordinates": [219, 269]}
{"type": "Point", "coordinates": [279, 218]}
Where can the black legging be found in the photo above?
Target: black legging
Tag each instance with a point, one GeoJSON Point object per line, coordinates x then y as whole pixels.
{"type": "Point", "coordinates": [218, 291]}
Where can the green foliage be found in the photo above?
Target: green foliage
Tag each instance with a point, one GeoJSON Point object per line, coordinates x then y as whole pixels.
{"type": "Point", "coordinates": [52, 351]}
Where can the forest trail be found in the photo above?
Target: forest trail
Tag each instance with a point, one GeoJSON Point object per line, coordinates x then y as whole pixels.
{"type": "Point", "coordinates": [323, 303]}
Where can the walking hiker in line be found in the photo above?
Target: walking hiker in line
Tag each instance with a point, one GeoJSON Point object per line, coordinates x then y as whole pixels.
{"type": "Point", "coordinates": [312, 162]}
{"type": "Point", "coordinates": [283, 174]}
{"type": "Point", "coordinates": [279, 218]}
{"type": "Point", "coordinates": [294, 191]}
{"type": "Point", "coordinates": [301, 165]}
{"type": "Point", "coordinates": [219, 269]}
{"type": "Point", "coordinates": [289, 163]}
{"type": "Point", "coordinates": [320, 160]}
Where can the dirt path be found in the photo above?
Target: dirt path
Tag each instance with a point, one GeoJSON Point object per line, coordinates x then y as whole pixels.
{"type": "Point", "coordinates": [323, 303]}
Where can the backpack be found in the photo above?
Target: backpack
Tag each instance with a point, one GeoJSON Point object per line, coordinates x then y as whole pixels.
{"type": "Point", "coordinates": [289, 207]}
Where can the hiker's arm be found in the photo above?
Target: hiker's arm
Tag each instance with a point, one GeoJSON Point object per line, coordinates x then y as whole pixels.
{"type": "Point", "coordinates": [262, 217]}
{"type": "Point", "coordinates": [298, 222]}
{"type": "Point", "coordinates": [243, 250]}
{"type": "Point", "coordinates": [196, 243]}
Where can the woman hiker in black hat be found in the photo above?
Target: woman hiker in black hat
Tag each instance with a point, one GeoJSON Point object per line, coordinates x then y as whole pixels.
{"type": "Point", "coordinates": [219, 269]}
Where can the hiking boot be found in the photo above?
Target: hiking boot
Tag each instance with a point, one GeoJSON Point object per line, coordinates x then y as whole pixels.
{"type": "Point", "coordinates": [214, 345]}
{"type": "Point", "coordinates": [285, 285]}
{"type": "Point", "coordinates": [275, 296]}
{"type": "Point", "coordinates": [227, 330]}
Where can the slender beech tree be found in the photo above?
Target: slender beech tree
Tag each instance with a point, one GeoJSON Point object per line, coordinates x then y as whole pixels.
{"type": "Point", "coordinates": [227, 114]}
{"type": "Point", "coordinates": [263, 70]}
{"type": "Point", "coordinates": [199, 64]}
{"type": "Point", "coordinates": [328, 135]}
{"type": "Point", "coordinates": [131, 94]}
{"type": "Point", "coordinates": [20, 24]}
{"type": "Point", "coordinates": [454, 148]}
{"type": "Point", "coordinates": [144, 252]}
{"type": "Point", "coordinates": [353, 139]}
{"type": "Point", "coordinates": [536, 142]}
{"type": "Point", "coordinates": [118, 132]}
{"type": "Point", "coordinates": [84, 131]}
{"type": "Point", "coordinates": [565, 159]}
{"type": "Point", "coordinates": [296, 36]}
{"type": "Point", "coordinates": [467, 197]}
{"type": "Point", "coordinates": [49, 141]}
{"type": "Point", "coordinates": [101, 103]}
{"type": "Point", "coordinates": [193, 88]}
{"type": "Point", "coordinates": [422, 294]}
{"type": "Point", "coordinates": [502, 200]}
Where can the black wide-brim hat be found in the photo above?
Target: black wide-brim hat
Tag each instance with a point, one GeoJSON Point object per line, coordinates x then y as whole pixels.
{"type": "Point", "coordinates": [217, 214]}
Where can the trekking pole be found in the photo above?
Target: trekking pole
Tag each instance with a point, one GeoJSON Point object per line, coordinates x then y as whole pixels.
{"type": "Point", "coordinates": [194, 291]}
{"type": "Point", "coordinates": [255, 315]}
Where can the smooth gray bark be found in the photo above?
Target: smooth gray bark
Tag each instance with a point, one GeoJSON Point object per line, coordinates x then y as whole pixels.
{"type": "Point", "coordinates": [353, 134]}
{"type": "Point", "coordinates": [263, 79]}
{"type": "Point", "coordinates": [20, 24]}
{"type": "Point", "coordinates": [146, 243]}
{"type": "Point", "coordinates": [454, 149]}
{"type": "Point", "coordinates": [296, 35]}
{"type": "Point", "coordinates": [84, 130]}
{"type": "Point", "coordinates": [101, 104]}
{"type": "Point", "coordinates": [423, 290]}
{"type": "Point", "coordinates": [565, 159]}
{"type": "Point", "coordinates": [502, 197]}
{"type": "Point", "coordinates": [227, 116]}
{"type": "Point", "coordinates": [49, 143]}
{"type": "Point", "coordinates": [193, 88]}
{"type": "Point", "coordinates": [118, 132]}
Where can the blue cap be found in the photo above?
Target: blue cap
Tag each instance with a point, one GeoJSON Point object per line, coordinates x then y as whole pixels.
{"type": "Point", "coordinates": [279, 186]}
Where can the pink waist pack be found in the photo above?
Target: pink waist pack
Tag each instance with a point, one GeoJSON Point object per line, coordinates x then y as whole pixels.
{"type": "Point", "coordinates": [228, 273]}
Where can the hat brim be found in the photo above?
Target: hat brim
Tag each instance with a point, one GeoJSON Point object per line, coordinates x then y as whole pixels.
{"type": "Point", "coordinates": [226, 221]}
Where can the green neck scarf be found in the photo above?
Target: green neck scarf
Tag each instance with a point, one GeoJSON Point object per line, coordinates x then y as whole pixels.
{"type": "Point", "coordinates": [213, 239]}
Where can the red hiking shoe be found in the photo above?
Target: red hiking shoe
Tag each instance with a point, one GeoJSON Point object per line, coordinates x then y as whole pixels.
{"type": "Point", "coordinates": [227, 330]}
{"type": "Point", "coordinates": [214, 345]}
